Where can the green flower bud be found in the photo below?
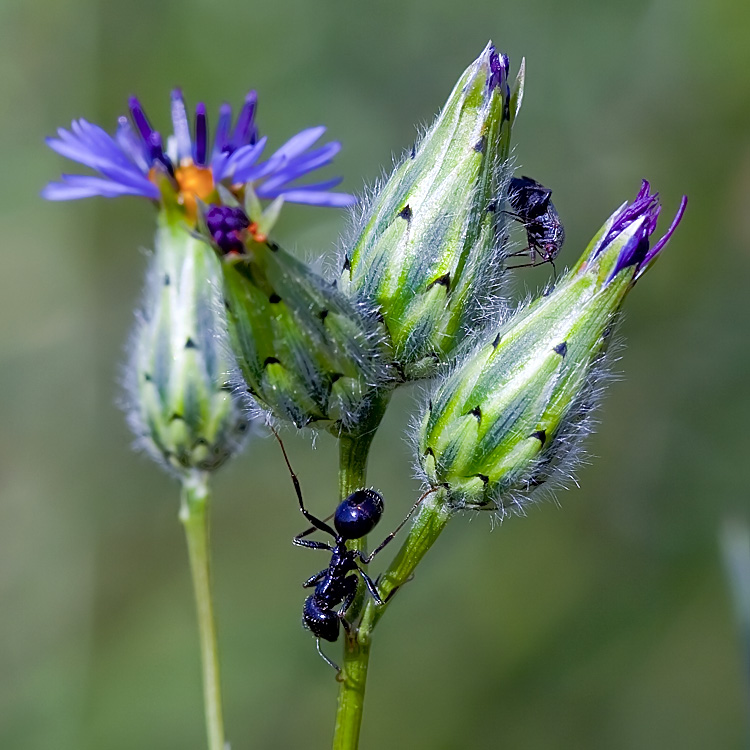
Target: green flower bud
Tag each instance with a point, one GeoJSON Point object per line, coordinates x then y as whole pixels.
{"type": "Point", "coordinates": [427, 253]}
{"type": "Point", "coordinates": [306, 352]}
{"type": "Point", "coordinates": [179, 401]}
{"type": "Point", "coordinates": [512, 412]}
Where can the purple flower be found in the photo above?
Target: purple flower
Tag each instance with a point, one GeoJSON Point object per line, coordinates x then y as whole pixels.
{"type": "Point", "coordinates": [137, 161]}
{"type": "Point", "coordinates": [643, 212]}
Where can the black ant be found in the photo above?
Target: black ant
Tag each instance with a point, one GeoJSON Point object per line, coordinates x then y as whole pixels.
{"type": "Point", "coordinates": [545, 233]}
{"type": "Point", "coordinates": [354, 517]}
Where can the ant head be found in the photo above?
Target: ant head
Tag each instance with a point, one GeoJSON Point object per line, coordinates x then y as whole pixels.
{"type": "Point", "coordinates": [357, 515]}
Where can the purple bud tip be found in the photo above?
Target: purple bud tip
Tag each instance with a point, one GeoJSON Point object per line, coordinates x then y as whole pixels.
{"type": "Point", "coordinates": [637, 252]}
{"type": "Point", "coordinates": [499, 68]}
{"type": "Point", "coordinates": [226, 224]}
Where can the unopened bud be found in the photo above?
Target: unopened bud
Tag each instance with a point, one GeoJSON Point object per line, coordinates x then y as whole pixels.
{"type": "Point", "coordinates": [179, 401]}
{"type": "Point", "coordinates": [510, 414]}
{"type": "Point", "coordinates": [428, 254]}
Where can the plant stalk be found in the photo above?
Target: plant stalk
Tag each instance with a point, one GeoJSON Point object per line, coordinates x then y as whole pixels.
{"type": "Point", "coordinates": [194, 516]}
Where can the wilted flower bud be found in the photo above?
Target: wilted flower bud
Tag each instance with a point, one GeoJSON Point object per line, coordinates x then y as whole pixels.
{"type": "Point", "coordinates": [427, 253]}
{"type": "Point", "coordinates": [179, 401]}
{"type": "Point", "coordinates": [510, 414]}
{"type": "Point", "coordinates": [304, 349]}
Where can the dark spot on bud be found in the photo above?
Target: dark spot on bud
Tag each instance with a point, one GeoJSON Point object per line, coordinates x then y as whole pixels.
{"type": "Point", "coordinates": [167, 280]}
{"type": "Point", "coordinates": [476, 412]}
{"type": "Point", "coordinates": [336, 376]}
{"type": "Point", "coordinates": [271, 361]}
{"type": "Point", "coordinates": [176, 417]}
{"type": "Point", "coordinates": [147, 377]}
{"type": "Point", "coordinates": [347, 264]}
{"type": "Point", "coordinates": [273, 246]}
{"type": "Point", "coordinates": [413, 152]}
{"type": "Point", "coordinates": [227, 306]}
{"type": "Point", "coordinates": [444, 280]}
{"type": "Point", "coordinates": [562, 349]}
{"type": "Point", "coordinates": [226, 386]}
{"type": "Point", "coordinates": [251, 390]}
{"type": "Point", "coordinates": [492, 206]}
{"type": "Point", "coordinates": [429, 404]}
{"type": "Point", "coordinates": [483, 477]}
{"type": "Point", "coordinates": [405, 212]}
{"type": "Point", "coordinates": [430, 452]}
{"type": "Point", "coordinates": [480, 145]}
{"type": "Point", "coordinates": [496, 342]}
{"type": "Point", "coordinates": [607, 332]}
{"type": "Point", "coordinates": [242, 427]}
{"type": "Point", "coordinates": [506, 110]}
{"type": "Point", "coordinates": [190, 344]}
{"type": "Point", "coordinates": [274, 299]}
{"type": "Point", "coordinates": [540, 435]}
{"type": "Point", "coordinates": [323, 314]}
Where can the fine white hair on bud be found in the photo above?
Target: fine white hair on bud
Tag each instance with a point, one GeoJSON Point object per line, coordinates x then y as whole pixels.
{"type": "Point", "coordinates": [179, 398]}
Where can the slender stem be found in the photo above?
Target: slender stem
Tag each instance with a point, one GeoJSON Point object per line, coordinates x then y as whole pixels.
{"type": "Point", "coordinates": [194, 516]}
{"type": "Point", "coordinates": [354, 449]}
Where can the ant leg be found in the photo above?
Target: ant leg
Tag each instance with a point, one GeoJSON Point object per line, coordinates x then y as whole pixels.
{"type": "Point", "coordinates": [350, 585]}
{"type": "Point", "coordinates": [366, 559]}
{"type": "Point", "coordinates": [525, 251]}
{"type": "Point", "coordinates": [314, 520]}
{"type": "Point", "coordinates": [312, 580]}
{"type": "Point", "coordinates": [325, 658]}
{"type": "Point", "coordinates": [297, 542]}
{"type": "Point", "coordinates": [372, 588]}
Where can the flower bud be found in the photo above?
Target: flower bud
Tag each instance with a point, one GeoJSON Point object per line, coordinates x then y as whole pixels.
{"type": "Point", "coordinates": [304, 349]}
{"type": "Point", "coordinates": [427, 253]}
{"type": "Point", "coordinates": [511, 413]}
{"type": "Point", "coordinates": [179, 401]}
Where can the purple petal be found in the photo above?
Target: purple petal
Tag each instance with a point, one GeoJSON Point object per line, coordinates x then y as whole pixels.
{"type": "Point", "coordinates": [659, 246]}
{"type": "Point", "coordinates": [320, 198]}
{"type": "Point", "coordinates": [299, 143]}
{"type": "Point", "coordinates": [80, 186]}
{"type": "Point", "coordinates": [304, 164]}
{"type": "Point", "coordinates": [201, 134]}
{"type": "Point", "coordinates": [181, 126]}
{"type": "Point", "coordinates": [244, 128]}
{"type": "Point", "coordinates": [130, 144]}
{"type": "Point", "coordinates": [264, 191]}
{"type": "Point", "coordinates": [222, 131]}
{"type": "Point", "coordinates": [139, 118]}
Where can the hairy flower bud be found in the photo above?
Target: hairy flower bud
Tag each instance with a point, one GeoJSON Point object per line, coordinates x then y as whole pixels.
{"type": "Point", "coordinates": [304, 349]}
{"type": "Point", "coordinates": [427, 253]}
{"type": "Point", "coordinates": [509, 414]}
{"type": "Point", "coordinates": [179, 401]}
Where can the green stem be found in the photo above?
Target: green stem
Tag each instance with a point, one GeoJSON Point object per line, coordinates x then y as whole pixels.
{"type": "Point", "coordinates": [354, 449]}
{"type": "Point", "coordinates": [194, 516]}
{"type": "Point", "coordinates": [432, 517]}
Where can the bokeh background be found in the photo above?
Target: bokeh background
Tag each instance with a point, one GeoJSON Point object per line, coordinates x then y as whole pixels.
{"type": "Point", "coordinates": [604, 621]}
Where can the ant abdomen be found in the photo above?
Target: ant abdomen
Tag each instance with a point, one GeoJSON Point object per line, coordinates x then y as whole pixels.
{"type": "Point", "coordinates": [357, 515]}
{"type": "Point", "coordinates": [323, 622]}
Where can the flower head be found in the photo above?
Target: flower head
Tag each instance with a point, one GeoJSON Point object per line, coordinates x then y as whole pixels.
{"type": "Point", "coordinates": [189, 166]}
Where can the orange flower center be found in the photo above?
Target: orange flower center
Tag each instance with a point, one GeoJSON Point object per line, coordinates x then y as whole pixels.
{"type": "Point", "coordinates": [193, 182]}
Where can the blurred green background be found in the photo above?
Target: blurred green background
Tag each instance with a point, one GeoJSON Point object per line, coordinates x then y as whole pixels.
{"type": "Point", "coordinates": [601, 622]}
